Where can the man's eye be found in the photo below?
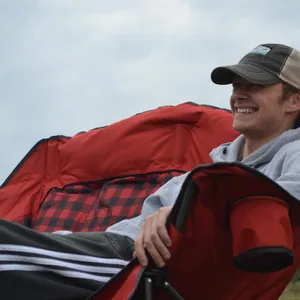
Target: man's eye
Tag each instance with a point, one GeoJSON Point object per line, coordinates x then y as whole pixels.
{"type": "Point", "coordinates": [248, 87]}
{"type": "Point", "coordinates": [257, 86]}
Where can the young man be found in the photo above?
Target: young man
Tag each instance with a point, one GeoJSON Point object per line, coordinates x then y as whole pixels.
{"type": "Point", "coordinates": [265, 102]}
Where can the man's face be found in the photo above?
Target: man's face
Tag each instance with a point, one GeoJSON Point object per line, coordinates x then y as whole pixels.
{"type": "Point", "coordinates": [258, 110]}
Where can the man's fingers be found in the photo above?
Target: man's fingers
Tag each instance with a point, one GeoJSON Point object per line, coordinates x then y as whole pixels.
{"type": "Point", "coordinates": [155, 238]}
{"type": "Point", "coordinates": [155, 246]}
{"type": "Point", "coordinates": [158, 242]}
{"type": "Point", "coordinates": [161, 227]}
{"type": "Point", "coordinates": [140, 250]}
{"type": "Point", "coordinates": [149, 238]}
{"type": "Point", "coordinates": [157, 258]}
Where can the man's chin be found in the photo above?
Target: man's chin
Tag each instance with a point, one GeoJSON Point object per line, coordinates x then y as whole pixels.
{"type": "Point", "coordinates": [239, 127]}
{"type": "Point", "coordinates": [242, 128]}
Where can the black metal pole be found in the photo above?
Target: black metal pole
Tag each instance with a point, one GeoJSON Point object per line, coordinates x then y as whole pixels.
{"type": "Point", "coordinates": [171, 291]}
{"type": "Point", "coordinates": [148, 288]}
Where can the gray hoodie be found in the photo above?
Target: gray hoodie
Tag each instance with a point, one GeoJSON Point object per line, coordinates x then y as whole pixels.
{"type": "Point", "coordinates": [279, 160]}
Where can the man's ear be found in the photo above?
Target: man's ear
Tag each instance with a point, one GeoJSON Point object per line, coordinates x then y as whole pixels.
{"type": "Point", "coordinates": [293, 103]}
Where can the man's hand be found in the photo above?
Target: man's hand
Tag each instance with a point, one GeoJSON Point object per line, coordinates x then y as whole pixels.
{"type": "Point", "coordinates": [154, 237]}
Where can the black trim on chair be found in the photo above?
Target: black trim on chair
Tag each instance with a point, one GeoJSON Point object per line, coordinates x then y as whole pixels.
{"type": "Point", "coordinates": [185, 206]}
{"type": "Point", "coordinates": [281, 258]}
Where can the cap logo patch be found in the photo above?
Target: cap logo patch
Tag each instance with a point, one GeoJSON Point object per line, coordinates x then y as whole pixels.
{"type": "Point", "coordinates": [263, 50]}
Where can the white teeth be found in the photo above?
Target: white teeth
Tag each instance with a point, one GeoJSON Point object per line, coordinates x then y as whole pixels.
{"type": "Point", "coordinates": [245, 110]}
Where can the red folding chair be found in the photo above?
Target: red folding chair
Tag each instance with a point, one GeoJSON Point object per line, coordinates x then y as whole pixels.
{"type": "Point", "coordinates": [235, 235]}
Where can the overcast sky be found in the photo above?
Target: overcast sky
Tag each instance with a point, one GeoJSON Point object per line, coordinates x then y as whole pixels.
{"type": "Point", "coordinates": [68, 66]}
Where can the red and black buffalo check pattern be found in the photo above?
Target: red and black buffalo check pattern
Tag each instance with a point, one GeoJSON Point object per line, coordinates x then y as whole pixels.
{"type": "Point", "coordinates": [94, 207]}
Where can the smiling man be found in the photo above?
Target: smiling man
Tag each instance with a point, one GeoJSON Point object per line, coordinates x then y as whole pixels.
{"type": "Point", "coordinates": [263, 83]}
{"type": "Point", "coordinates": [265, 102]}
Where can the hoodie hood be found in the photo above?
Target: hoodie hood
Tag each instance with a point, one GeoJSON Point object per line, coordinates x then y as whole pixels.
{"type": "Point", "coordinates": [232, 152]}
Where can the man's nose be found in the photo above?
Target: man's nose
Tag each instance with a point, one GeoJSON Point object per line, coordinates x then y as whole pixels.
{"type": "Point", "coordinates": [239, 93]}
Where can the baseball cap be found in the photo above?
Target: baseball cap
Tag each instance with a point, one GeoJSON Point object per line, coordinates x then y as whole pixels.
{"type": "Point", "coordinates": [265, 64]}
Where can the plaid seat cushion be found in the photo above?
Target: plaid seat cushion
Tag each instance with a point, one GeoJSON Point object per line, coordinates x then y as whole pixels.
{"type": "Point", "coordinates": [95, 206]}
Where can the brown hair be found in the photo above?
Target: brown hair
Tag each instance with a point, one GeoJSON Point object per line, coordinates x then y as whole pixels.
{"type": "Point", "coordinates": [287, 91]}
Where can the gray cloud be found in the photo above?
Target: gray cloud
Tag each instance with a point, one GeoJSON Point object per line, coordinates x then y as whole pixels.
{"type": "Point", "coordinates": [68, 66]}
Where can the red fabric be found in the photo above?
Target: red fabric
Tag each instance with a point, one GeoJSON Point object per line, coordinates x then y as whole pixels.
{"type": "Point", "coordinates": [94, 207]}
{"type": "Point", "coordinates": [202, 261]}
{"type": "Point", "coordinates": [261, 231]}
{"type": "Point", "coordinates": [165, 140]}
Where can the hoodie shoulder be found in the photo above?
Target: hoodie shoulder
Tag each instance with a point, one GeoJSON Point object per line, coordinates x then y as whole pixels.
{"type": "Point", "coordinates": [291, 148]}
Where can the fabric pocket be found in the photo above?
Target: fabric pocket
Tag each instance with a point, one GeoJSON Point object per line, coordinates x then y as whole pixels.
{"type": "Point", "coordinates": [262, 234]}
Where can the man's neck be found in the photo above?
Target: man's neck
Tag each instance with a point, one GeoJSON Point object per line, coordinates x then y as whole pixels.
{"type": "Point", "coordinates": [254, 141]}
{"type": "Point", "coordinates": [251, 145]}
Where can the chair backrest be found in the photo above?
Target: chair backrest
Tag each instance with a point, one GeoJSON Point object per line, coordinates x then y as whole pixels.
{"type": "Point", "coordinates": [96, 178]}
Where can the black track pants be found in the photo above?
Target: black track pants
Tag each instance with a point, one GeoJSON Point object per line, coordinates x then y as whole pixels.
{"type": "Point", "coordinates": [57, 266]}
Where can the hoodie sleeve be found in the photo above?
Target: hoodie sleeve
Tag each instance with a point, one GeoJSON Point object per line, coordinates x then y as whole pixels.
{"type": "Point", "coordinates": [164, 196]}
{"type": "Point", "coordinates": [290, 175]}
